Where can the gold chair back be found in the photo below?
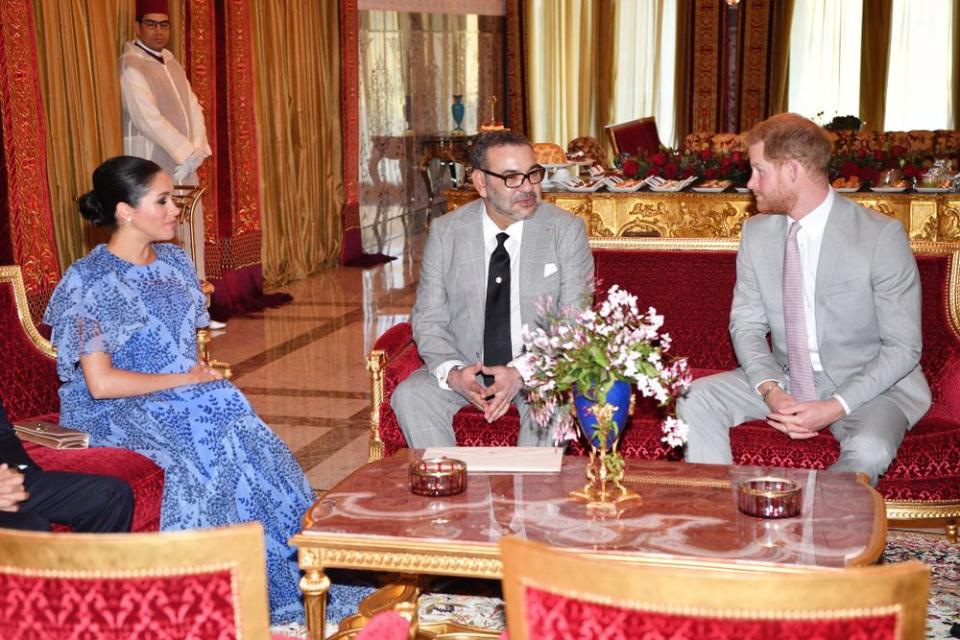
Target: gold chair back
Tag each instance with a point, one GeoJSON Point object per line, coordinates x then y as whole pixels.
{"type": "Point", "coordinates": [105, 557]}
{"type": "Point", "coordinates": [187, 198]}
{"type": "Point", "coordinates": [736, 594]}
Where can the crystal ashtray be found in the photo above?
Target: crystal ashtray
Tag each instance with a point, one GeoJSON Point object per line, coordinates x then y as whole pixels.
{"type": "Point", "coordinates": [438, 477]}
{"type": "Point", "coordinates": [769, 497]}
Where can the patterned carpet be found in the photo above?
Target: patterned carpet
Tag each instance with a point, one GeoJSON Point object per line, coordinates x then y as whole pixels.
{"type": "Point", "coordinates": [943, 613]}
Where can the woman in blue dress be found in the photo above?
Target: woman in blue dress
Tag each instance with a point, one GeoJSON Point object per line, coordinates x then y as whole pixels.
{"type": "Point", "coordinates": [124, 322]}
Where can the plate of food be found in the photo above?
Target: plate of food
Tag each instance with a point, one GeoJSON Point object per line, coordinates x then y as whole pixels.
{"type": "Point", "coordinates": [888, 189]}
{"type": "Point", "coordinates": [846, 185]}
{"type": "Point", "coordinates": [621, 185]}
{"type": "Point", "coordinates": [712, 186]}
{"type": "Point", "coordinates": [662, 185]}
{"type": "Point", "coordinates": [580, 186]}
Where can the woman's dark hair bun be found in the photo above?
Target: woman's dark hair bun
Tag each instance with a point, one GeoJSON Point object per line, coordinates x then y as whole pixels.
{"type": "Point", "coordinates": [92, 210]}
{"type": "Point", "coordinates": [122, 179]}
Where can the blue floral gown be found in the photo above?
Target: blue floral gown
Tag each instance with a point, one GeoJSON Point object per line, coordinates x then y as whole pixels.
{"type": "Point", "coordinates": [222, 464]}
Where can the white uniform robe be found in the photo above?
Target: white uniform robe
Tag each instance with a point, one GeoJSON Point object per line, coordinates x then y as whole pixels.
{"type": "Point", "coordinates": [163, 122]}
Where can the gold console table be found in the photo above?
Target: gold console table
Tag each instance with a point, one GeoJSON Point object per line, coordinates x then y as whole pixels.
{"type": "Point", "coordinates": [720, 215]}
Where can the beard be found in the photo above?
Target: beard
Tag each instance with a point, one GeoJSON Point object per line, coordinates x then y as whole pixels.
{"type": "Point", "coordinates": [515, 206]}
{"type": "Point", "coordinates": [776, 201]}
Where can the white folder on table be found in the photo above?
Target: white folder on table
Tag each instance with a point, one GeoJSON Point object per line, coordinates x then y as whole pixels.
{"type": "Point", "coordinates": [503, 459]}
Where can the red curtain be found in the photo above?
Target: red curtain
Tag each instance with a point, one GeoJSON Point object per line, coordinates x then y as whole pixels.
{"type": "Point", "coordinates": [26, 224]}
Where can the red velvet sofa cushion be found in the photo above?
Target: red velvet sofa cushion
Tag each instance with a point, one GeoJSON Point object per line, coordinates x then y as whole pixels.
{"type": "Point", "coordinates": [693, 290]}
{"type": "Point", "coordinates": [140, 472]}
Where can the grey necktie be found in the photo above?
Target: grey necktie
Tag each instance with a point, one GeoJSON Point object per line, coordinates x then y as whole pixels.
{"type": "Point", "coordinates": [794, 320]}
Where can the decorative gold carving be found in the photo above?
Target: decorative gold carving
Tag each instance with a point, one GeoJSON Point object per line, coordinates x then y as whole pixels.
{"type": "Point", "coordinates": [633, 478]}
{"type": "Point", "coordinates": [666, 244]}
{"type": "Point", "coordinates": [648, 220]}
{"type": "Point", "coordinates": [13, 275]}
{"type": "Point", "coordinates": [314, 586]}
{"type": "Point", "coordinates": [402, 561]}
{"type": "Point", "coordinates": [921, 212]}
{"type": "Point", "coordinates": [699, 219]}
{"type": "Point", "coordinates": [948, 225]}
{"type": "Point", "coordinates": [596, 227]}
{"type": "Point", "coordinates": [915, 509]}
{"type": "Point", "coordinates": [203, 354]}
{"type": "Point", "coordinates": [953, 294]}
{"type": "Point", "coordinates": [376, 360]}
{"type": "Point", "coordinates": [929, 218]}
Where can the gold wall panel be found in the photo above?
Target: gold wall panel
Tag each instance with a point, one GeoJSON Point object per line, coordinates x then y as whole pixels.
{"type": "Point", "coordinates": [930, 217]}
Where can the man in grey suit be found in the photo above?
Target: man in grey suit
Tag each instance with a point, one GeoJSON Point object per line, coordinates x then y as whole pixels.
{"type": "Point", "coordinates": [837, 289]}
{"type": "Point", "coordinates": [487, 270]}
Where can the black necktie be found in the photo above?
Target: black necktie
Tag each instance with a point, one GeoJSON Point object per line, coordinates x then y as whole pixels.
{"type": "Point", "coordinates": [497, 345]}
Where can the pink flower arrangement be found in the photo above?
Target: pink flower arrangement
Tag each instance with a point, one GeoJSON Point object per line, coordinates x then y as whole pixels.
{"type": "Point", "coordinates": [592, 349]}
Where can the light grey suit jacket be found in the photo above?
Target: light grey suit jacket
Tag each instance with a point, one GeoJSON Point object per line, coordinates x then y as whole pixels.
{"type": "Point", "coordinates": [448, 316]}
{"type": "Point", "coordinates": [867, 307]}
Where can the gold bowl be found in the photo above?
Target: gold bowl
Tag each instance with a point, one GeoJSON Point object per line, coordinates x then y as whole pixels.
{"type": "Point", "coordinates": [769, 497]}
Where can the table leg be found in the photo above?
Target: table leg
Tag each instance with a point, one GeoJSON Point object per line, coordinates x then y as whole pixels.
{"type": "Point", "coordinates": [314, 585]}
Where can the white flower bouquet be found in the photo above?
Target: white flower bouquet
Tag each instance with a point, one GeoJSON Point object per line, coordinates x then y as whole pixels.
{"type": "Point", "coordinates": [588, 351]}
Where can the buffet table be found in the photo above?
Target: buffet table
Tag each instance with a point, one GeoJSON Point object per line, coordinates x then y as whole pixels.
{"type": "Point", "coordinates": [932, 217]}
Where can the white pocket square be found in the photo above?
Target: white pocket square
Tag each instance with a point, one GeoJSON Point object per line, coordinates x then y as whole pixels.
{"type": "Point", "coordinates": [549, 269]}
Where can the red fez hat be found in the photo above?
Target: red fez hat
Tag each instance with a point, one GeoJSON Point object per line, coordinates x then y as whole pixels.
{"type": "Point", "coordinates": [152, 6]}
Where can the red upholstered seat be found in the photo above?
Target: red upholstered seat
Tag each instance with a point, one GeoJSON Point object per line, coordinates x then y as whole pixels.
{"type": "Point", "coordinates": [28, 390]}
{"type": "Point", "coordinates": [548, 599]}
{"type": "Point", "coordinates": [143, 476]}
{"type": "Point", "coordinates": [693, 290]}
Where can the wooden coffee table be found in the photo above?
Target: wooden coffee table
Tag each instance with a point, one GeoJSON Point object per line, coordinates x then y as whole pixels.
{"type": "Point", "coordinates": [687, 517]}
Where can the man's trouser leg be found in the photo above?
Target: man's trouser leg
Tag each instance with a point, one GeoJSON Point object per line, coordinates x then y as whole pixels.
{"type": "Point", "coordinates": [87, 503]}
{"type": "Point", "coordinates": [869, 437]}
{"type": "Point", "coordinates": [711, 407]}
{"type": "Point", "coordinates": [425, 411]}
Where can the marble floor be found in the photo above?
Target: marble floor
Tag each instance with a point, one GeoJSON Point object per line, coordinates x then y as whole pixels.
{"type": "Point", "coordinates": [303, 365]}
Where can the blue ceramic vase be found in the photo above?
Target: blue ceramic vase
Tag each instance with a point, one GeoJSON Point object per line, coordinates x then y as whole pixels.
{"type": "Point", "coordinates": [457, 110]}
{"type": "Point", "coordinates": [618, 396]}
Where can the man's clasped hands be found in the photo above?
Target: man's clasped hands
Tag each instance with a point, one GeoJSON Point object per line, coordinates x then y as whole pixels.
{"type": "Point", "coordinates": [493, 400]}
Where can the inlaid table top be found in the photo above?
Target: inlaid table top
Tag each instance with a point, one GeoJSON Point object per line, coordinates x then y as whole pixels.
{"type": "Point", "coordinates": [687, 515]}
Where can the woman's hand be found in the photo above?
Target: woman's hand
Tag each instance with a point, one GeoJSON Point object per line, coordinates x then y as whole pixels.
{"type": "Point", "coordinates": [204, 373]}
{"type": "Point", "coordinates": [104, 381]}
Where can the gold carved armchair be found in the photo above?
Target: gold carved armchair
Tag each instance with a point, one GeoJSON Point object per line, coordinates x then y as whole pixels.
{"type": "Point", "coordinates": [184, 584]}
{"type": "Point", "coordinates": [547, 588]}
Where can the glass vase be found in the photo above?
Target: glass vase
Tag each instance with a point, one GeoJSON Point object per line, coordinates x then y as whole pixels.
{"type": "Point", "coordinates": [457, 110]}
